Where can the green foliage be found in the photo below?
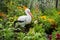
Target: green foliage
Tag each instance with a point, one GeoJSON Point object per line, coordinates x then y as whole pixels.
{"type": "Point", "coordinates": [37, 32]}
{"type": "Point", "coordinates": [50, 11]}
{"type": "Point", "coordinates": [8, 34]}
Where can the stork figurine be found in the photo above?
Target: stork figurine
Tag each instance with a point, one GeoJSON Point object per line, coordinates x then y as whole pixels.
{"type": "Point", "coordinates": [25, 19]}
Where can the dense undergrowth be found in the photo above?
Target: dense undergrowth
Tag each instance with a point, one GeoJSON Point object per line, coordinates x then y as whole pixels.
{"type": "Point", "coordinates": [41, 22]}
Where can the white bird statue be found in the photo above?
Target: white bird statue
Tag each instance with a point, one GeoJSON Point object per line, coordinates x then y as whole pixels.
{"type": "Point", "coordinates": [25, 19]}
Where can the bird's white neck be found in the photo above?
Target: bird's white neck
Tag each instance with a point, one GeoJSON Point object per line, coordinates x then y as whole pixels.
{"type": "Point", "coordinates": [27, 11]}
{"type": "Point", "coordinates": [28, 15]}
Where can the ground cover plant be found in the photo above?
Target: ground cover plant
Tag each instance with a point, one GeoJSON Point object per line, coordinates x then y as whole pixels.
{"type": "Point", "coordinates": [41, 26]}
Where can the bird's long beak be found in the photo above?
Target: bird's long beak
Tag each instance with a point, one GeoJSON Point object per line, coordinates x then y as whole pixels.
{"type": "Point", "coordinates": [31, 14]}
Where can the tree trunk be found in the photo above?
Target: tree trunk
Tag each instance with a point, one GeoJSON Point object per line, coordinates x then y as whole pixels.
{"type": "Point", "coordinates": [56, 4]}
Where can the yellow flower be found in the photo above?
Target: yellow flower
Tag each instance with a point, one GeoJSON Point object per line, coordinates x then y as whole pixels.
{"type": "Point", "coordinates": [43, 17]}
{"type": "Point", "coordinates": [58, 12]}
{"type": "Point", "coordinates": [18, 7]}
{"type": "Point", "coordinates": [51, 20]}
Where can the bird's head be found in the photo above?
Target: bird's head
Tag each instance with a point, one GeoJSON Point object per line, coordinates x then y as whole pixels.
{"type": "Point", "coordinates": [25, 7]}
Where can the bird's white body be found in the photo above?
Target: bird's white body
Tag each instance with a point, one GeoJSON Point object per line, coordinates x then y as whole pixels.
{"type": "Point", "coordinates": [26, 18]}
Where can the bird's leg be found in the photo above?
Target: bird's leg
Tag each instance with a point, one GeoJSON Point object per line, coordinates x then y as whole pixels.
{"type": "Point", "coordinates": [27, 27]}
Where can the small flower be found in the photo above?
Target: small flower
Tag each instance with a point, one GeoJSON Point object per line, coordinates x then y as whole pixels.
{"type": "Point", "coordinates": [18, 7]}
{"type": "Point", "coordinates": [50, 37]}
{"type": "Point", "coordinates": [58, 12]}
{"type": "Point", "coordinates": [57, 35]}
{"type": "Point", "coordinates": [36, 21]}
{"type": "Point", "coordinates": [43, 17]}
{"type": "Point", "coordinates": [51, 20]}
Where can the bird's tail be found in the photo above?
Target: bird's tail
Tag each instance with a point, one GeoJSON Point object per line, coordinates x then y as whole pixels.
{"type": "Point", "coordinates": [17, 22]}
